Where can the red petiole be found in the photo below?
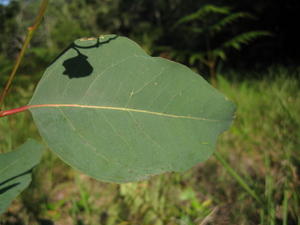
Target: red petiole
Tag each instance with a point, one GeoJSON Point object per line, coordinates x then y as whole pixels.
{"type": "Point", "coordinates": [14, 111]}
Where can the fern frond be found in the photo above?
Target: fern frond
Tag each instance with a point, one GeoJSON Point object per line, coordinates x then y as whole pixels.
{"type": "Point", "coordinates": [197, 56]}
{"type": "Point", "coordinates": [214, 9]}
{"type": "Point", "coordinates": [244, 38]}
{"type": "Point", "coordinates": [197, 30]}
{"type": "Point", "coordinates": [202, 13]}
{"type": "Point", "coordinates": [219, 53]}
{"type": "Point", "coordinates": [219, 26]}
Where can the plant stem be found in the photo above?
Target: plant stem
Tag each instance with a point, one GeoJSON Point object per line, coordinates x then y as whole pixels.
{"type": "Point", "coordinates": [213, 73]}
{"type": "Point", "coordinates": [237, 177]}
{"type": "Point", "coordinates": [285, 208]}
{"type": "Point", "coordinates": [30, 32]}
{"type": "Point", "coordinates": [103, 107]}
{"type": "Point", "coordinates": [13, 111]}
{"type": "Point", "coordinates": [269, 189]}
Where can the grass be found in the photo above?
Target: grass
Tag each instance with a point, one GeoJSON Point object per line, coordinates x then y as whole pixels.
{"type": "Point", "coordinates": [262, 147]}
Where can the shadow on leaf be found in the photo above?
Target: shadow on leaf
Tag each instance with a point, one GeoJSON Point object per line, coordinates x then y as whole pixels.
{"type": "Point", "coordinates": [7, 188]}
{"type": "Point", "coordinates": [12, 182]}
{"type": "Point", "coordinates": [79, 65]}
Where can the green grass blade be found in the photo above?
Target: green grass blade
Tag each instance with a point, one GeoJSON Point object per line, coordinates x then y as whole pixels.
{"type": "Point", "coordinates": [237, 177]}
{"type": "Point", "coordinates": [285, 205]}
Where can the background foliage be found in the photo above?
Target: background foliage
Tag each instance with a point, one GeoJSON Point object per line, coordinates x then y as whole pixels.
{"type": "Point", "coordinates": [152, 25]}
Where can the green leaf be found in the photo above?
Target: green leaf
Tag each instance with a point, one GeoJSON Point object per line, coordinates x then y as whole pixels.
{"type": "Point", "coordinates": [5, 135]}
{"type": "Point", "coordinates": [202, 13]}
{"type": "Point", "coordinates": [244, 38]}
{"type": "Point", "coordinates": [218, 53]}
{"type": "Point", "coordinates": [197, 56]}
{"type": "Point", "coordinates": [231, 18]}
{"type": "Point", "coordinates": [119, 115]}
{"type": "Point", "coordinates": [15, 171]}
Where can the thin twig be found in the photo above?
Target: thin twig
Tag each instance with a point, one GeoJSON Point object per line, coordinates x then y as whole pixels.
{"type": "Point", "coordinates": [29, 35]}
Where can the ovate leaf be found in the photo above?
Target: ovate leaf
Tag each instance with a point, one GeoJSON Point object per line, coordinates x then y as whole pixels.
{"type": "Point", "coordinates": [117, 114]}
{"type": "Point", "coordinates": [15, 171]}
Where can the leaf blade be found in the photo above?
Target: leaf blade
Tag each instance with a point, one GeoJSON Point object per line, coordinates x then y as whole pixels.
{"type": "Point", "coordinates": [147, 116]}
{"type": "Point", "coordinates": [15, 171]}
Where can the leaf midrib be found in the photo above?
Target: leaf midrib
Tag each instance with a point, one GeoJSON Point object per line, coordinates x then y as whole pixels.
{"type": "Point", "coordinates": [123, 109]}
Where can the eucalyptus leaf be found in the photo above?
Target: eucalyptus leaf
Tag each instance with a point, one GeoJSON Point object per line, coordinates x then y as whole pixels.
{"type": "Point", "coordinates": [117, 114]}
{"type": "Point", "coordinates": [15, 171]}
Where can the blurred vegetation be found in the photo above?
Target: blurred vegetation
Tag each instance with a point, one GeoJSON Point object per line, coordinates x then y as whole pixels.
{"type": "Point", "coordinates": [152, 25]}
{"type": "Point", "coordinates": [207, 25]}
{"type": "Point", "coordinates": [262, 145]}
